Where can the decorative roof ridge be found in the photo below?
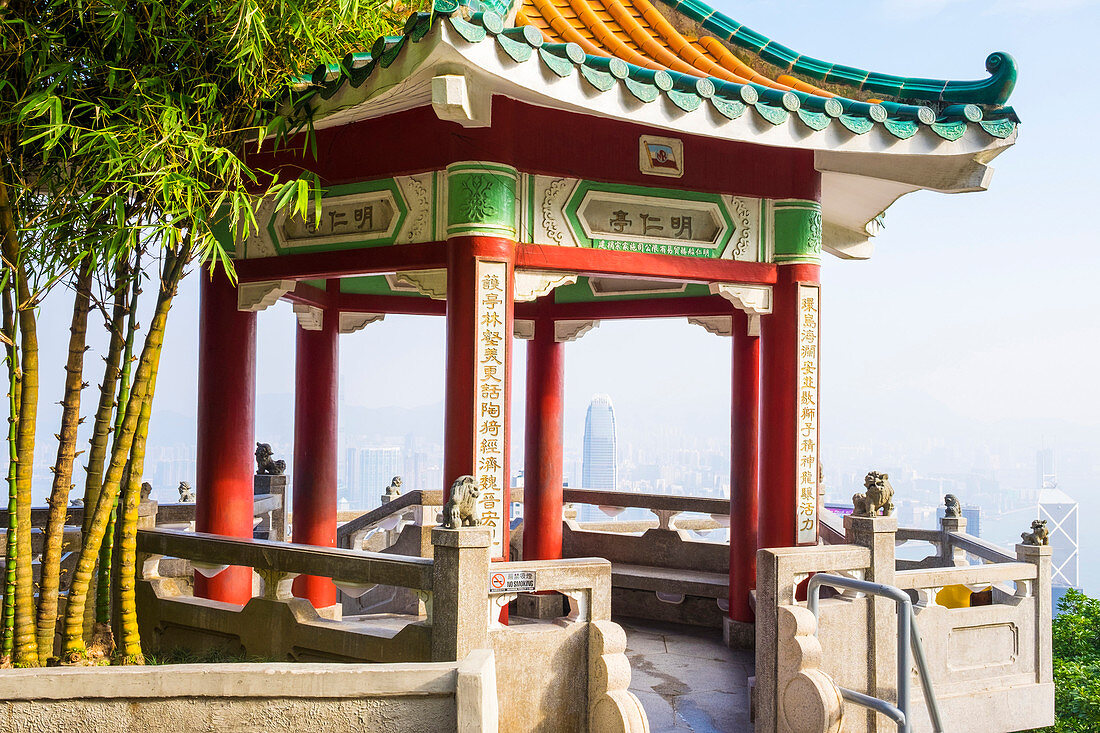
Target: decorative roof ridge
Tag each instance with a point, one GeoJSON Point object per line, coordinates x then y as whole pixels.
{"type": "Point", "coordinates": [686, 91]}
{"type": "Point", "coordinates": [993, 92]}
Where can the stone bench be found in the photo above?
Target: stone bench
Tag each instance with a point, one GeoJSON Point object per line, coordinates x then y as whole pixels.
{"type": "Point", "coordinates": [670, 580]}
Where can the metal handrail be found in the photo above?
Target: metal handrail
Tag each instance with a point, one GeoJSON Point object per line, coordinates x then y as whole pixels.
{"type": "Point", "coordinates": [907, 630]}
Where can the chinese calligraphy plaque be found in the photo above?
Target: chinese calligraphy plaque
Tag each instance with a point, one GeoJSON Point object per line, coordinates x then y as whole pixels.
{"type": "Point", "coordinates": [490, 388]}
{"type": "Point", "coordinates": [806, 470]}
{"type": "Point", "coordinates": [653, 225]}
{"type": "Point", "coordinates": [359, 218]}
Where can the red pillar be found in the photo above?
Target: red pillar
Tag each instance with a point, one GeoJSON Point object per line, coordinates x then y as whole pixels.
{"type": "Point", "coordinates": [476, 441]}
{"type": "Point", "coordinates": [542, 467]}
{"type": "Point", "coordinates": [315, 451]}
{"type": "Point", "coordinates": [745, 467]}
{"type": "Point", "coordinates": [226, 443]}
{"type": "Point", "coordinates": [781, 411]}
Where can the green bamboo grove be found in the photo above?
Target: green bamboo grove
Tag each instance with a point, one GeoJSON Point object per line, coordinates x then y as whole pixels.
{"type": "Point", "coordinates": [124, 128]}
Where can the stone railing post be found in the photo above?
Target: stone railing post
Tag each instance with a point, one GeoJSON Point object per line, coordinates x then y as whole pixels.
{"type": "Point", "coordinates": [775, 586]}
{"type": "Point", "coordinates": [878, 534]}
{"type": "Point", "coordinates": [951, 556]}
{"type": "Point", "coordinates": [808, 699]}
{"type": "Point", "coordinates": [460, 592]}
{"type": "Point", "coordinates": [273, 524]}
{"type": "Point", "coordinates": [1039, 556]}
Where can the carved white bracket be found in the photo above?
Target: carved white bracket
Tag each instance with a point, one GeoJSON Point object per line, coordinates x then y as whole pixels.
{"type": "Point", "coordinates": [258, 296]}
{"type": "Point", "coordinates": [496, 606]}
{"type": "Point", "coordinates": [310, 317]}
{"type": "Point", "coordinates": [531, 285]}
{"type": "Point", "coordinates": [432, 283]}
{"type": "Point", "coordinates": [718, 325]}
{"type": "Point", "coordinates": [753, 299]}
{"type": "Point", "coordinates": [522, 329]}
{"type": "Point", "coordinates": [572, 330]}
{"type": "Point", "coordinates": [352, 322]}
{"type": "Point", "coordinates": [580, 604]}
{"type": "Point", "coordinates": [453, 101]}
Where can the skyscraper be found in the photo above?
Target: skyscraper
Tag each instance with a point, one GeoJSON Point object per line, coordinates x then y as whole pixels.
{"type": "Point", "coordinates": [377, 467]}
{"type": "Point", "coordinates": [599, 470]}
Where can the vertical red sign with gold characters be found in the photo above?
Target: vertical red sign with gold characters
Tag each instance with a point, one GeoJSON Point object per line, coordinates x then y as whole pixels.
{"type": "Point", "coordinates": [807, 468]}
{"type": "Point", "coordinates": [493, 342]}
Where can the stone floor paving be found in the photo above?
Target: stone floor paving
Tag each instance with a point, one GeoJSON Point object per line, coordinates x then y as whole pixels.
{"type": "Point", "coordinates": [687, 679]}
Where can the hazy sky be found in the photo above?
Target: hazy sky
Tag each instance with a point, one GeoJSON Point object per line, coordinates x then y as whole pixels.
{"type": "Point", "coordinates": [975, 321]}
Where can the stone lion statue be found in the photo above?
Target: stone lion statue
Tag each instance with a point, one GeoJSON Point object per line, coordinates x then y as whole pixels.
{"type": "Point", "coordinates": [393, 490]}
{"type": "Point", "coordinates": [953, 508]}
{"type": "Point", "coordinates": [146, 490]}
{"type": "Point", "coordinates": [265, 464]}
{"type": "Point", "coordinates": [878, 497]}
{"type": "Point", "coordinates": [1038, 534]}
{"type": "Point", "coordinates": [462, 509]}
{"type": "Point", "coordinates": [187, 494]}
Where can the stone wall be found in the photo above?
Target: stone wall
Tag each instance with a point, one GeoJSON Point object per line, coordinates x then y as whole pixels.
{"type": "Point", "coordinates": [224, 698]}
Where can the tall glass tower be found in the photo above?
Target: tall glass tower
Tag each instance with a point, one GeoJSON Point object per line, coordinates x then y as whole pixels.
{"type": "Point", "coordinates": [599, 470]}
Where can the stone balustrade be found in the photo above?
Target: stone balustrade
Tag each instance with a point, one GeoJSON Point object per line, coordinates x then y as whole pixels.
{"type": "Point", "coordinates": [460, 614]}
{"type": "Point", "coordinates": [983, 615]}
{"type": "Point", "coordinates": [659, 570]}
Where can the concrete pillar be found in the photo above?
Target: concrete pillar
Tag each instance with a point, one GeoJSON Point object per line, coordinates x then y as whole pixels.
{"type": "Point", "coordinates": [460, 592]}
{"type": "Point", "coordinates": [744, 475]}
{"type": "Point", "coordinates": [788, 430]}
{"type": "Point", "coordinates": [878, 535]}
{"type": "Point", "coordinates": [952, 556]}
{"type": "Point", "coordinates": [542, 468]}
{"type": "Point", "coordinates": [480, 310]}
{"type": "Point", "coordinates": [226, 440]}
{"type": "Point", "coordinates": [315, 449]}
{"type": "Point", "coordinates": [1039, 555]}
{"type": "Point", "coordinates": [272, 525]}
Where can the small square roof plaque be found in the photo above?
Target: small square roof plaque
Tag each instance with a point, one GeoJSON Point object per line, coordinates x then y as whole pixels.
{"type": "Point", "coordinates": [661, 156]}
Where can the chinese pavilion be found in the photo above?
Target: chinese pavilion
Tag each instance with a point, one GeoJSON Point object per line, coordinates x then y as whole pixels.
{"type": "Point", "coordinates": [530, 168]}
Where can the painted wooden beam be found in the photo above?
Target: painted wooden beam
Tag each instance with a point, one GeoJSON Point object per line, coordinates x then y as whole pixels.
{"type": "Point", "coordinates": [708, 305]}
{"type": "Point", "coordinates": [395, 304]}
{"type": "Point", "coordinates": [612, 263]}
{"type": "Point", "coordinates": [310, 295]}
{"type": "Point", "coordinates": [343, 263]}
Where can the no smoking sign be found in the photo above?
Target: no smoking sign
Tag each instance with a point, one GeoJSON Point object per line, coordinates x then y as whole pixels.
{"type": "Point", "coordinates": [512, 581]}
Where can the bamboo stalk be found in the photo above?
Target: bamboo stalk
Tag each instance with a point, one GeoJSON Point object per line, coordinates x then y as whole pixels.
{"type": "Point", "coordinates": [50, 577]}
{"type": "Point", "coordinates": [130, 641]}
{"type": "Point", "coordinates": [106, 552]}
{"type": "Point", "coordinates": [12, 550]}
{"type": "Point", "coordinates": [74, 648]}
{"type": "Point", "coordinates": [101, 429]}
{"type": "Point", "coordinates": [25, 641]}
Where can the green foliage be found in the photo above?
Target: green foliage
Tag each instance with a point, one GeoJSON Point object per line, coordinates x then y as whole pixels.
{"type": "Point", "coordinates": [125, 125]}
{"type": "Point", "coordinates": [140, 113]}
{"type": "Point", "coordinates": [1076, 642]}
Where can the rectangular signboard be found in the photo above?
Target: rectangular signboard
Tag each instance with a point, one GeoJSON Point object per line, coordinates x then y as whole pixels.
{"type": "Point", "coordinates": [493, 341]}
{"type": "Point", "coordinates": [807, 389]}
{"type": "Point", "coordinates": [512, 581]}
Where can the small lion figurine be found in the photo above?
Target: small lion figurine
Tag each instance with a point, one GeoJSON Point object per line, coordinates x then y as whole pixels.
{"type": "Point", "coordinates": [393, 490]}
{"type": "Point", "coordinates": [265, 465]}
{"type": "Point", "coordinates": [462, 509]}
{"type": "Point", "coordinates": [878, 497]}
{"type": "Point", "coordinates": [1038, 534]}
{"type": "Point", "coordinates": [953, 508]}
{"type": "Point", "coordinates": [187, 494]}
